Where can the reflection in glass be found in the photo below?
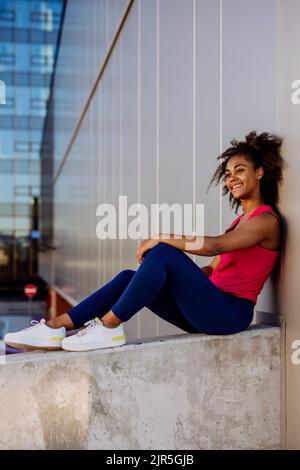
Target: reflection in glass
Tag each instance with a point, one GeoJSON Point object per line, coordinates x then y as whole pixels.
{"type": "Point", "coordinates": [28, 37]}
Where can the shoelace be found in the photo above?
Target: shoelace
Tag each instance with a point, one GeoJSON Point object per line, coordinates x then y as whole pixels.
{"type": "Point", "coordinates": [90, 325]}
{"type": "Point", "coordinates": [35, 323]}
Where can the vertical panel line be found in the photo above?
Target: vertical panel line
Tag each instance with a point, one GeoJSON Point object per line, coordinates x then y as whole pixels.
{"type": "Point", "coordinates": [157, 121]}
{"type": "Point", "coordinates": [221, 107]}
{"type": "Point", "coordinates": [194, 119]}
{"type": "Point", "coordinates": [121, 138]}
{"type": "Point", "coordinates": [99, 149]}
{"type": "Point", "coordinates": [139, 131]}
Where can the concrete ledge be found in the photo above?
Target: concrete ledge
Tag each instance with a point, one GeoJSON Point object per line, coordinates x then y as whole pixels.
{"type": "Point", "coordinates": [179, 392]}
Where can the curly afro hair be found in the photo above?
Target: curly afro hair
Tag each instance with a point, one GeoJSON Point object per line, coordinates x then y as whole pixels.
{"type": "Point", "coordinates": [261, 150]}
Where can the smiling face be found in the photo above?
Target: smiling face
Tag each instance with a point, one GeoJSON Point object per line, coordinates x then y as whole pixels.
{"type": "Point", "coordinates": [241, 179]}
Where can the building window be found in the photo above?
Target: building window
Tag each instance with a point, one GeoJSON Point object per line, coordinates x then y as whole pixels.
{"type": "Point", "coordinates": [35, 79]}
{"type": "Point", "coordinates": [21, 122]}
{"type": "Point", "coordinates": [38, 103]}
{"type": "Point", "coordinates": [26, 146]}
{"type": "Point", "coordinates": [22, 146]}
{"type": "Point", "coordinates": [7, 59]}
{"type": "Point", "coordinates": [41, 60]}
{"type": "Point", "coordinates": [8, 166]}
{"type": "Point", "coordinates": [45, 17]}
{"type": "Point", "coordinates": [10, 103]}
{"type": "Point", "coordinates": [7, 15]}
{"type": "Point", "coordinates": [22, 35]}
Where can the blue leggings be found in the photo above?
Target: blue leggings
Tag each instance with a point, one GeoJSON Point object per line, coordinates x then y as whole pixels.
{"type": "Point", "coordinates": [172, 286]}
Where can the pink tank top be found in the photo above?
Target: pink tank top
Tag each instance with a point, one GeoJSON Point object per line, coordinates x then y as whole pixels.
{"type": "Point", "coordinates": [243, 272]}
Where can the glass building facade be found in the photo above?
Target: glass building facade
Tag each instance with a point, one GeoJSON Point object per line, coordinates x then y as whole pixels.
{"type": "Point", "coordinates": [29, 31]}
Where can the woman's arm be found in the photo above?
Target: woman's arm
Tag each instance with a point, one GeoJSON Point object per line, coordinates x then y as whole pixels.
{"type": "Point", "coordinates": [256, 230]}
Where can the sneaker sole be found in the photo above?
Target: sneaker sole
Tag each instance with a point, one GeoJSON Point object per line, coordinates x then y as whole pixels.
{"type": "Point", "coordinates": [33, 348]}
{"type": "Point", "coordinates": [82, 349]}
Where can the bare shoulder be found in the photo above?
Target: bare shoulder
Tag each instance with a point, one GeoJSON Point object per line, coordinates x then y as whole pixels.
{"type": "Point", "coordinates": [270, 218]}
{"type": "Point", "coordinates": [271, 223]}
{"type": "Point", "coordinates": [267, 220]}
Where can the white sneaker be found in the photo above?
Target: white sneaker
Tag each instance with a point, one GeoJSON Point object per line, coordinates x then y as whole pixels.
{"type": "Point", "coordinates": [95, 336]}
{"type": "Point", "coordinates": [37, 336]}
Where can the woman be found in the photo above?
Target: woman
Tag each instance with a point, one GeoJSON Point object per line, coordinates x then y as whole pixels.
{"type": "Point", "coordinates": [217, 299]}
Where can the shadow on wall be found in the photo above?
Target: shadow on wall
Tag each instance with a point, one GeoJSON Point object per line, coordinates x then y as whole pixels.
{"type": "Point", "coordinates": [276, 278]}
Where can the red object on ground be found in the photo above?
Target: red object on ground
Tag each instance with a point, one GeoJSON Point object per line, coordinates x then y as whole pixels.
{"type": "Point", "coordinates": [30, 290]}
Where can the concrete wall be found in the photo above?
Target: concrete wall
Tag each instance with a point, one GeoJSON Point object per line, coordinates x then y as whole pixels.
{"type": "Point", "coordinates": [177, 87]}
{"type": "Point", "coordinates": [288, 122]}
{"type": "Point", "coordinates": [183, 392]}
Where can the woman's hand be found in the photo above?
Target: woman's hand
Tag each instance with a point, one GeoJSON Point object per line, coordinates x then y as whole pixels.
{"type": "Point", "coordinates": [144, 246]}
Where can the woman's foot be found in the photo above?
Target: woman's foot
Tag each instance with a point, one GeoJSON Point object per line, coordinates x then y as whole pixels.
{"type": "Point", "coordinates": [95, 336]}
{"type": "Point", "coordinates": [37, 336]}
{"type": "Point", "coordinates": [61, 320]}
{"type": "Point", "coordinates": [110, 320]}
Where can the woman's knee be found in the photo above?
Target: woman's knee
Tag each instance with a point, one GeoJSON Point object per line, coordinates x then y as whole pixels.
{"type": "Point", "coordinates": [124, 277]}
{"type": "Point", "coordinates": [163, 248]}
{"type": "Point", "coordinates": [127, 273]}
